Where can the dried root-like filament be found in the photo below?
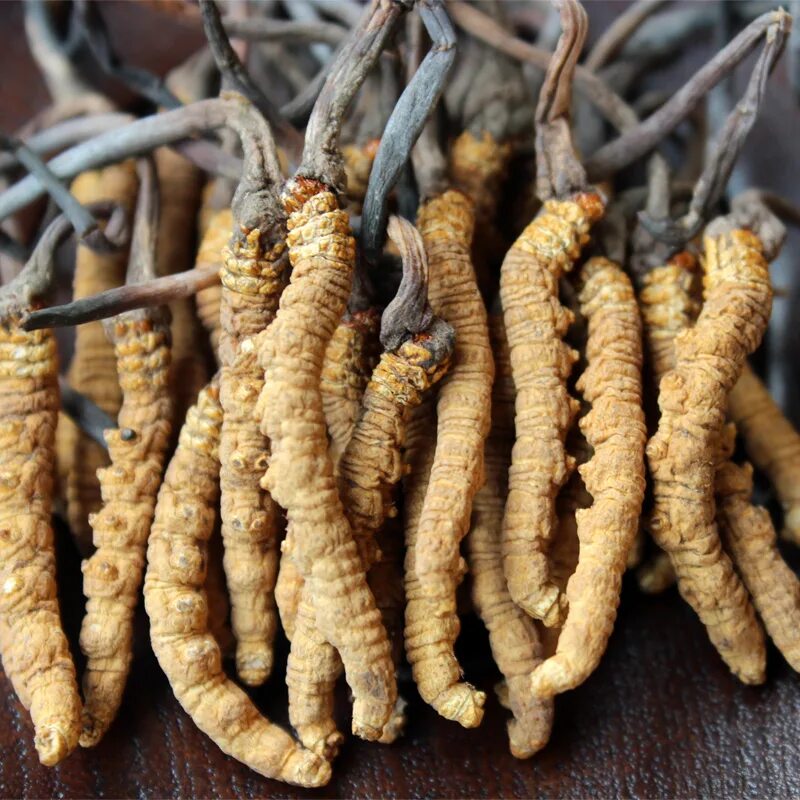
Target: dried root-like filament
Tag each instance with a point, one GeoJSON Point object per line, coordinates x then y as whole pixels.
{"type": "Point", "coordinates": [300, 474]}
{"type": "Point", "coordinates": [681, 455]}
{"type": "Point", "coordinates": [513, 636]}
{"type": "Point", "coordinates": [772, 443]}
{"type": "Point", "coordinates": [35, 652]}
{"type": "Point", "coordinates": [178, 611]}
{"type": "Point", "coordinates": [541, 362]}
{"type": "Point", "coordinates": [112, 577]}
{"type": "Point", "coordinates": [614, 476]}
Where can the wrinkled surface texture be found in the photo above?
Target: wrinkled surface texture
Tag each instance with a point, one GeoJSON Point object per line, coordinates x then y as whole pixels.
{"type": "Point", "coordinates": [541, 363]}
{"type": "Point", "coordinates": [682, 454]}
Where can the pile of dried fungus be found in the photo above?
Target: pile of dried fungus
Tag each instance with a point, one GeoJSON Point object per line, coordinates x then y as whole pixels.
{"type": "Point", "coordinates": [404, 334]}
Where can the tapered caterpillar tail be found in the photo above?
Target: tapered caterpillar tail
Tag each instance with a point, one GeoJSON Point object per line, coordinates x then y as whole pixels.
{"type": "Point", "coordinates": [463, 407]}
{"type": "Point", "coordinates": [176, 605]}
{"type": "Point", "coordinates": [93, 369]}
{"type": "Point", "coordinates": [541, 362]}
{"type": "Point", "coordinates": [36, 656]}
{"type": "Point", "coordinates": [432, 625]}
{"type": "Point", "coordinates": [692, 399]}
{"type": "Point", "coordinates": [772, 443]}
{"type": "Point", "coordinates": [112, 577]}
{"type": "Point", "coordinates": [513, 637]}
{"type": "Point", "coordinates": [300, 473]}
{"type": "Point", "coordinates": [252, 279]}
{"type": "Point", "coordinates": [614, 475]}
{"type": "Point", "coordinates": [749, 538]}
{"type": "Point", "coordinates": [370, 468]}
{"type": "Point", "coordinates": [214, 238]}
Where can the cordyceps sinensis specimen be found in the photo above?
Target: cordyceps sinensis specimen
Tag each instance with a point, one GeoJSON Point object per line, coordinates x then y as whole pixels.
{"type": "Point", "coordinates": [252, 279]}
{"type": "Point", "coordinates": [514, 639]}
{"type": "Point", "coordinates": [137, 448]}
{"type": "Point", "coordinates": [749, 537]}
{"type": "Point", "coordinates": [300, 475]}
{"type": "Point", "coordinates": [463, 406]}
{"type": "Point", "coordinates": [418, 350]}
{"type": "Point", "coordinates": [214, 238]}
{"type": "Point", "coordinates": [683, 454]}
{"type": "Point", "coordinates": [772, 442]}
{"type": "Point", "coordinates": [614, 475]}
{"type": "Point", "coordinates": [36, 656]}
{"type": "Point", "coordinates": [93, 370]}
{"type": "Point", "coordinates": [112, 576]}
{"type": "Point", "coordinates": [176, 604]}
{"type": "Point", "coordinates": [535, 324]}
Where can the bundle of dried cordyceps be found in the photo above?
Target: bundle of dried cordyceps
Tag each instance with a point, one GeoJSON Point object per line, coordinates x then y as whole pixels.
{"type": "Point", "coordinates": [336, 351]}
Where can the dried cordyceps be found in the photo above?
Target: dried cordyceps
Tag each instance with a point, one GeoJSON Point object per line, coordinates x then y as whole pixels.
{"type": "Point", "coordinates": [93, 370]}
{"type": "Point", "coordinates": [214, 237]}
{"type": "Point", "coordinates": [536, 323]}
{"type": "Point", "coordinates": [358, 165]}
{"type": "Point", "coordinates": [370, 467]}
{"type": "Point", "coordinates": [252, 279]}
{"type": "Point", "coordinates": [112, 576]}
{"type": "Point", "coordinates": [36, 656]}
{"type": "Point", "coordinates": [682, 453]}
{"type": "Point", "coordinates": [513, 636]}
{"type": "Point", "coordinates": [614, 475]}
{"type": "Point", "coordinates": [178, 611]}
{"type": "Point", "coordinates": [750, 539]}
{"type": "Point", "coordinates": [772, 443]}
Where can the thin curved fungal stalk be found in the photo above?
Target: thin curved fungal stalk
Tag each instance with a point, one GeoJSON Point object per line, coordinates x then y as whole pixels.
{"type": "Point", "coordinates": [536, 323]}
{"type": "Point", "coordinates": [681, 455]}
{"type": "Point", "coordinates": [749, 538]}
{"type": "Point", "coordinates": [419, 349]}
{"type": "Point", "coordinates": [137, 448]}
{"type": "Point", "coordinates": [772, 442]}
{"type": "Point", "coordinates": [177, 606]}
{"type": "Point", "coordinates": [514, 639]}
{"type": "Point", "coordinates": [291, 351]}
{"type": "Point", "coordinates": [88, 416]}
{"type": "Point", "coordinates": [730, 141]}
{"type": "Point", "coordinates": [407, 121]}
{"type": "Point", "coordinates": [252, 280]}
{"type": "Point", "coordinates": [614, 475]}
{"type": "Point", "coordinates": [93, 369]}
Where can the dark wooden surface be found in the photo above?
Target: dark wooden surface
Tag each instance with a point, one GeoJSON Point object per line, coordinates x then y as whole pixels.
{"type": "Point", "coordinates": [661, 717]}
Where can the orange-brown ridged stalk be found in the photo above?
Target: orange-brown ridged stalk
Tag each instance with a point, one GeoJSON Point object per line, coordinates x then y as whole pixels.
{"type": "Point", "coordinates": [541, 362]}
{"type": "Point", "coordinates": [93, 370]}
{"type": "Point", "coordinates": [36, 656]}
{"type": "Point", "coordinates": [112, 577]}
{"type": "Point", "coordinates": [215, 236]}
{"type": "Point", "coordinates": [252, 280]}
{"type": "Point", "coordinates": [432, 625]}
{"type": "Point", "coordinates": [749, 537]}
{"type": "Point", "coordinates": [300, 474]}
{"type": "Point", "coordinates": [350, 357]}
{"type": "Point", "coordinates": [513, 637]}
{"type": "Point", "coordinates": [682, 454]}
{"type": "Point", "coordinates": [772, 443]}
{"type": "Point", "coordinates": [614, 475]}
{"type": "Point", "coordinates": [358, 161]}
{"type": "Point", "coordinates": [370, 467]}
{"type": "Point", "coordinates": [179, 198]}
{"type": "Point", "coordinates": [178, 611]}
{"type": "Point", "coordinates": [463, 407]}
